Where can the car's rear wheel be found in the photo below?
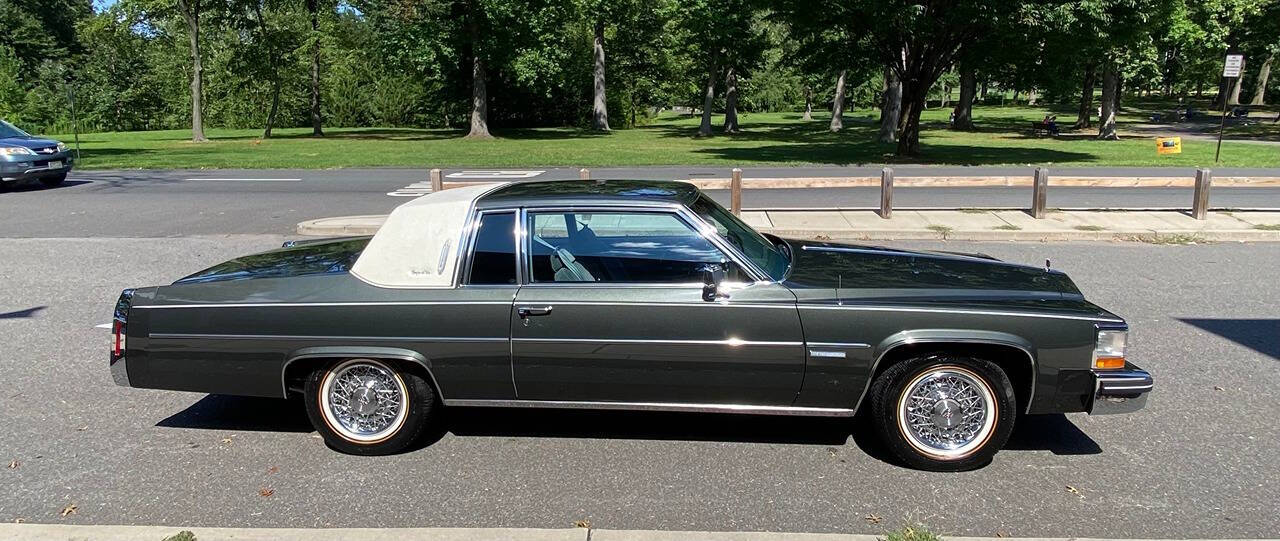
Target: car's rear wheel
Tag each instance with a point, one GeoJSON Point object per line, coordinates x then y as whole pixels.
{"type": "Point", "coordinates": [55, 180]}
{"type": "Point", "coordinates": [368, 406]}
{"type": "Point", "coordinates": [944, 412]}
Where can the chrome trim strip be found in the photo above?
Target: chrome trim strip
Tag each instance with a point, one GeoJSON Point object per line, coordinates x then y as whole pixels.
{"type": "Point", "coordinates": [1031, 395]}
{"type": "Point", "coordinates": [827, 354]}
{"type": "Point", "coordinates": [654, 406]}
{"type": "Point", "coordinates": [197, 336]}
{"type": "Point", "coordinates": [730, 342]}
{"type": "Point", "coordinates": [284, 369]}
{"type": "Point", "coordinates": [883, 308]}
{"type": "Point", "coordinates": [305, 304]}
{"type": "Point", "coordinates": [846, 345]}
{"type": "Point", "coordinates": [729, 303]}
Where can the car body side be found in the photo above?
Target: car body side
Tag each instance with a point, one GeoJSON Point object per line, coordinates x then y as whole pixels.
{"type": "Point", "coordinates": [875, 307]}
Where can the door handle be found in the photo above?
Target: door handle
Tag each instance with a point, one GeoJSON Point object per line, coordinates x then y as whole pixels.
{"type": "Point", "coordinates": [527, 311]}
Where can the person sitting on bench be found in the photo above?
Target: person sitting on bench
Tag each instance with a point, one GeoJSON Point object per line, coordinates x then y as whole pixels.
{"type": "Point", "coordinates": [1050, 124]}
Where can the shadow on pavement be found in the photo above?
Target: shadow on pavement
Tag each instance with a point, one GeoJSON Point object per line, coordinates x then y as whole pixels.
{"type": "Point", "coordinates": [1051, 432]}
{"type": "Point", "coordinates": [35, 186]}
{"type": "Point", "coordinates": [19, 314]}
{"type": "Point", "coordinates": [221, 412]}
{"type": "Point", "coordinates": [647, 426]}
{"type": "Point", "coordinates": [1260, 335]}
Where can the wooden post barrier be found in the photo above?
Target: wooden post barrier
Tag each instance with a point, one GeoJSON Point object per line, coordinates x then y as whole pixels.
{"type": "Point", "coordinates": [437, 180]}
{"type": "Point", "coordinates": [735, 191]}
{"type": "Point", "coordinates": [1200, 205]}
{"type": "Point", "coordinates": [1040, 193]}
{"type": "Point", "coordinates": [584, 174]}
{"type": "Point", "coordinates": [886, 193]}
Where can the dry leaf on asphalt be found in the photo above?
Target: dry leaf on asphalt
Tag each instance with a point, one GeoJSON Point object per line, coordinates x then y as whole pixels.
{"type": "Point", "coordinates": [226, 440]}
{"type": "Point", "coordinates": [1075, 491]}
{"type": "Point", "coordinates": [832, 450]}
{"type": "Point", "coordinates": [70, 509]}
{"type": "Point", "coordinates": [19, 520]}
{"type": "Point", "coordinates": [1217, 388]}
{"type": "Point", "coordinates": [273, 469]}
{"type": "Point", "coordinates": [872, 519]}
{"type": "Point", "coordinates": [584, 523]}
{"type": "Point", "coordinates": [266, 492]}
{"type": "Point", "coordinates": [13, 464]}
{"type": "Point", "coordinates": [83, 428]}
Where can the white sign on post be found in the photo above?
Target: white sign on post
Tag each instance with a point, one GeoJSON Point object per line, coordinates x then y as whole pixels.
{"type": "Point", "coordinates": [1234, 62]}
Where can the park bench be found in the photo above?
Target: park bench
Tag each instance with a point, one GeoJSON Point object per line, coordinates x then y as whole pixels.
{"type": "Point", "coordinates": [1038, 127]}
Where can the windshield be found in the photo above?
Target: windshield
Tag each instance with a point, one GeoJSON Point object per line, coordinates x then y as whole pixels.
{"type": "Point", "coordinates": [8, 130]}
{"type": "Point", "coordinates": [755, 246]}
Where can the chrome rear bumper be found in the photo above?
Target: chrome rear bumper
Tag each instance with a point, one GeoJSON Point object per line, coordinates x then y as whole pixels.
{"type": "Point", "coordinates": [1120, 391]}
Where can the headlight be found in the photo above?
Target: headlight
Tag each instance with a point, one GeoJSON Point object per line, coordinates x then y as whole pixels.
{"type": "Point", "coordinates": [1109, 352]}
{"type": "Point", "coordinates": [16, 151]}
{"type": "Point", "coordinates": [62, 147]}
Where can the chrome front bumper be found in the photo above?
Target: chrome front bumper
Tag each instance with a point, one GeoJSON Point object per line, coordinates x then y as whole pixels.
{"type": "Point", "coordinates": [1120, 391]}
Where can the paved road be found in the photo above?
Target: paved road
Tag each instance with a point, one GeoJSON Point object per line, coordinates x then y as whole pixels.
{"type": "Point", "coordinates": [177, 203]}
{"type": "Point", "coordinates": [1201, 461]}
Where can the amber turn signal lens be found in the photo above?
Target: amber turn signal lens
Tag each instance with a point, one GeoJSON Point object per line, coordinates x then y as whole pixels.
{"type": "Point", "coordinates": [1108, 363]}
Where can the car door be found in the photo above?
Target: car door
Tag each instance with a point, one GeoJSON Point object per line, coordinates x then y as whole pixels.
{"type": "Point", "coordinates": [612, 310]}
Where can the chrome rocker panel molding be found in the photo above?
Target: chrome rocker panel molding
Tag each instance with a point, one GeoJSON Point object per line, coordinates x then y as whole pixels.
{"type": "Point", "coordinates": [654, 406]}
{"type": "Point", "coordinates": [1120, 391]}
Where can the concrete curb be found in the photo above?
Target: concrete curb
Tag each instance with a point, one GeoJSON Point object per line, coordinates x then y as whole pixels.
{"type": "Point", "coordinates": [68, 532]}
{"type": "Point", "coordinates": [368, 225]}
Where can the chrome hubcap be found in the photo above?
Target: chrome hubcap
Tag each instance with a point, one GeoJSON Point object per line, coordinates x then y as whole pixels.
{"type": "Point", "coordinates": [947, 412]}
{"type": "Point", "coordinates": [364, 400]}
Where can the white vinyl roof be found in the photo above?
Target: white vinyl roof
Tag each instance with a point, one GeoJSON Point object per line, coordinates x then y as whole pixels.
{"type": "Point", "coordinates": [420, 243]}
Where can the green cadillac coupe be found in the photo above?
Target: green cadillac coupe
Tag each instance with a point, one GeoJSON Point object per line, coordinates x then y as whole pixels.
{"type": "Point", "coordinates": [632, 295]}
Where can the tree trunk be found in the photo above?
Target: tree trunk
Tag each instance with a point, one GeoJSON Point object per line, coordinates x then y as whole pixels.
{"type": "Point", "coordinates": [983, 95]}
{"type": "Point", "coordinates": [274, 69]}
{"type": "Point", "coordinates": [1110, 88]}
{"type": "Point", "coordinates": [837, 104]}
{"type": "Point", "coordinates": [1264, 75]}
{"type": "Point", "coordinates": [317, 122]}
{"type": "Point", "coordinates": [599, 107]}
{"type": "Point", "coordinates": [275, 109]}
{"type": "Point", "coordinates": [1236, 83]}
{"type": "Point", "coordinates": [1031, 97]}
{"type": "Point", "coordinates": [708, 98]}
{"type": "Point", "coordinates": [479, 100]}
{"type": "Point", "coordinates": [731, 102]}
{"type": "Point", "coordinates": [964, 107]}
{"type": "Point", "coordinates": [808, 104]}
{"type": "Point", "coordinates": [191, 12]}
{"type": "Point", "coordinates": [890, 107]}
{"type": "Point", "coordinates": [1085, 115]}
{"type": "Point", "coordinates": [914, 95]}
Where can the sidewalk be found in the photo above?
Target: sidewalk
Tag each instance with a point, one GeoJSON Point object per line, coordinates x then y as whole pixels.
{"type": "Point", "coordinates": [969, 224]}
{"type": "Point", "coordinates": [64, 532]}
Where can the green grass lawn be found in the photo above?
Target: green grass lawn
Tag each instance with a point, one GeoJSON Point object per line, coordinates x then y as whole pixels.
{"type": "Point", "coordinates": [767, 138]}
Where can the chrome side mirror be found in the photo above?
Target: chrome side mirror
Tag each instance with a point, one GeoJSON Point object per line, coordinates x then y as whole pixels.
{"type": "Point", "coordinates": [712, 276]}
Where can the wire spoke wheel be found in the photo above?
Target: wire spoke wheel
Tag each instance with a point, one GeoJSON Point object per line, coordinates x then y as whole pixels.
{"type": "Point", "coordinates": [364, 401]}
{"type": "Point", "coordinates": [947, 412]}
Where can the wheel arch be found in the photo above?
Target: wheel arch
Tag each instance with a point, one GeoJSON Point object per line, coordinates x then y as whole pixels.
{"type": "Point", "coordinates": [1012, 353]}
{"type": "Point", "coordinates": [302, 361]}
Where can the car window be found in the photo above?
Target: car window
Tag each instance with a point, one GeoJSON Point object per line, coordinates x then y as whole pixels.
{"type": "Point", "coordinates": [9, 130]}
{"type": "Point", "coordinates": [494, 260]}
{"type": "Point", "coordinates": [619, 247]}
{"type": "Point", "coordinates": [755, 246]}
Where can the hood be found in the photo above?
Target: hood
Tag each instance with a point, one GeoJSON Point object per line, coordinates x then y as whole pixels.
{"type": "Point", "coordinates": [854, 267]}
{"type": "Point", "coordinates": [311, 258]}
{"type": "Point", "coordinates": [28, 142]}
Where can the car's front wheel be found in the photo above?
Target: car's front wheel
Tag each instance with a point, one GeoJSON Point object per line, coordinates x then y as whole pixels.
{"type": "Point", "coordinates": [55, 180]}
{"type": "Point", "coordinates": [368, 406]}
{"type": "Point", "coordinates": [943, 412]}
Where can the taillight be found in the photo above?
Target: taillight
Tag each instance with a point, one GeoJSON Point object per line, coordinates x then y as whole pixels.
{"type": "Point", "coordinates": [118, 321]}
{"type": "Point", "coordinates": [117, 339]}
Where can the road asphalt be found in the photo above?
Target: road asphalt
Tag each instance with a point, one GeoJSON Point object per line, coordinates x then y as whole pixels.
{"type": "Point", "coordinates": [179, 203]}
{"type": "Point", "coordinates": [1199, 461]}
